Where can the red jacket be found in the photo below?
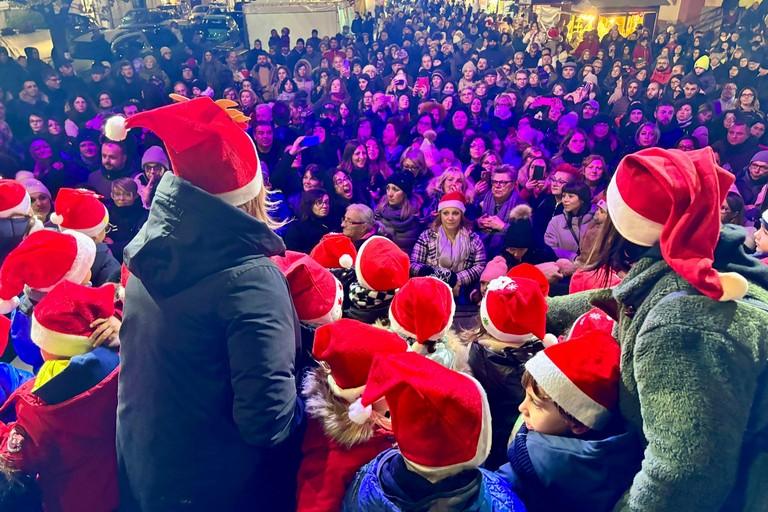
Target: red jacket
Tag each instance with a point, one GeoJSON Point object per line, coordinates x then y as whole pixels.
{"type": "Point", "coordinates": [70, 445]}
{"type": "Point", "coordinates": [328, 468]}
{"type": "Point", "coordinates": [334, 447]}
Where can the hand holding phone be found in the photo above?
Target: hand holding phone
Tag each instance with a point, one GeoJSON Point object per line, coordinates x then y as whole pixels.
{"type": "Point", "coordinates": [312, 140]}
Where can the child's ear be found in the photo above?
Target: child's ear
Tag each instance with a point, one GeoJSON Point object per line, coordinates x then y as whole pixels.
{"type": "Point", "coordinates": [579, 429]}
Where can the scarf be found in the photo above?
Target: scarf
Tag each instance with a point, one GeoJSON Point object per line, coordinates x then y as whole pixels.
{"type": "Point", "coordinates": [365, 298]}
{"type": "Point", "coordinates": [489, 205]}
{"type": "Point", "coordinates": [453, 255]}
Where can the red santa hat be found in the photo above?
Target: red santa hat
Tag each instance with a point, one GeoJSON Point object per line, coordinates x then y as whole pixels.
{"type": "Point", "coordinates": [80, 210]}
{"type": "Point", "coordinates": [528, 271]}
{"type": "Point", "coordinates": [453, 200]}
{"type": "Point", "coordinates": [42, 260]}
{"type": "Point", "coordinates": [581, 376]}
{"type": "Point", "coordinates": [593, 320]}
{"type": "Point", "coordinates": [14, 199]}
{"type": "Point", "coordinates": [334, 251]}
{"type": "Point", "coordinates": [514, 310]}
{"type": "Point", "coordinates": [206, 144]}
{"type": "Point", "coordinates": [61, 322]}
{"type": "Point", "coordinates": [317, 295]}
{"type": "Point", "coordinates": [348, 348]}
{"type": "Point", "coordinates": [422, 309]}
{"type": "Point", "coordinates": [441, 418]}
{"type": "Point", "coordinates": [673, 197]}
{"type": "Point", "coordinates": [381, 265]}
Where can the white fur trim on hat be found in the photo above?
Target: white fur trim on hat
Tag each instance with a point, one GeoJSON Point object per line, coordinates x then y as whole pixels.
{"type": "Point", "coordinates": [350, 395]}
{"type": "Point", "coordinates": [565, 393]}
{"type": "Point", "coordinates": [57, 343]}
{"type": "Point", "coordinates": [451, 204]}
{"type": "Point", "coordinates": [242, 195]}
{"type": "Point", "coordinates": [91, 232]}
{"type": "Point", "coordinates": [498, 334]}
{"type": "Point", "coordinates": [86, 254]}
{"type": "Point", "coordinates": [630, 224]}
{"type": "Point", "coordinates": [20, 209]}
{"type": "Point", "coordinates": [483, 447]}
{"type": "Point", "coordinates": [115, 128]}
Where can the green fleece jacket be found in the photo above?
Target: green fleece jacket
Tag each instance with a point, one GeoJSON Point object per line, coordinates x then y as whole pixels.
{"type": "Point", "coordinates": [694, 382]}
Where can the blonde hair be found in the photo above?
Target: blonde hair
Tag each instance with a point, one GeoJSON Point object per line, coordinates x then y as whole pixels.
{"type": "Point", "coordinates": [260, 208]}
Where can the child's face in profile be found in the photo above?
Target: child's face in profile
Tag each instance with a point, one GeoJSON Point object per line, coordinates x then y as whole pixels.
{"type": "Point", "coordinates": [542, 416]}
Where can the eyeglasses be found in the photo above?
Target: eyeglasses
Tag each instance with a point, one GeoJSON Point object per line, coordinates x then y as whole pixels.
{"type": "Point", "coordinates": [500, 183]}
{"type": "Point", "coordinates": [341, 181]}
{"type": "Point", "coordinates": [154, 167]}
{"type": "Point", "coordinates": [559, 181]}
{"type": "Point", "coordinates": [346, 220]}
{"type": "Point", "coordinates": [477, 145]}
{"type": "Point", "coordinates": [747, 94]}
{"type": "Point", "coordinates": [321, 202]}
{"type": "Point", "coordinates": [410, 168]}
{"type": "Point", "coordinates": [122, 194]}
{"type": "Point", "coordinates": [758, 167]}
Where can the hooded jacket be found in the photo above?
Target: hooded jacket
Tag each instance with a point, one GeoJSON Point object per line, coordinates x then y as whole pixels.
{"type": "Point", "coordinates": [209, 341]}
{"type": "Point", "coordinates": [568, 473]}
{"type": "Point", "coordinates": [385, 485]}
{"type": "Point", "coordinates": [335, 447]}
{"type": "Point", "coordinates": [65, 433]}
{"type": "Point", "coordinates": [693, 390]}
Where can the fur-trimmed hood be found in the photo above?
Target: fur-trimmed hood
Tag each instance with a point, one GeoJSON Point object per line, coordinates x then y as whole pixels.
{"type": "Point", "coordinates": [333, 412]}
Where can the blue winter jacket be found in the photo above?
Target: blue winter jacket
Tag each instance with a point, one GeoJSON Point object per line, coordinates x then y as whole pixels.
{"type": "Point", "coordinates": [567, 473]}
{"type": "Point", "coordinates": [486, 493]}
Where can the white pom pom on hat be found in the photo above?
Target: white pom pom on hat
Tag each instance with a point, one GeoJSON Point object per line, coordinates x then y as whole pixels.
{"type": "Point", "coordinates": [115, 128]}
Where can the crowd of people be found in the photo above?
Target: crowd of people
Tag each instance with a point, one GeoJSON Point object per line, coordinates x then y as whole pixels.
{"type": "Point", "coordinates": [279, 246]}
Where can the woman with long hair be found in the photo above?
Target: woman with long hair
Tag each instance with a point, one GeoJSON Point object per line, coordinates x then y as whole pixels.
{"type": "Point", "coordinates": [449, 250]}
{"type": "Point", "coordinates": [573, 150]}
{"type": "Point", "coordinates": [354, 161]}
{"type": "Point", "coordinates": [594, 173]}
{"type": "Point", "coordinates": [379, 168]}
{"type": "Point", "coordinates": [565, 231]}
{"type": "Point", "coordinates": [79, 111]}
{"type": "Point", "coordinates": [312, 221]}
{"type": "Point", "coordinates": [452, 179]}
{"type": "Point", "coordinates": [398, 211]}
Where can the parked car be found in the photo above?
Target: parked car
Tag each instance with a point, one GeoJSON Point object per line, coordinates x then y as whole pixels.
{"type": "Point", "coordinates": [179, 11]}
{"type": "Point", "coordinates": [124, 44]}
{"type": "Point", "coordinates": [79, 24]}
{"type": "Point", "coordinates": [220, 28]}
{"type": "Point", "coordinates": [142, 18]}
{"type": "Point", "coordinates": [198, 13]}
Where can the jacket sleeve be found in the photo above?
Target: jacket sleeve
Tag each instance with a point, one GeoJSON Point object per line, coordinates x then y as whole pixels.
{"type": "Point", "coordinates": [419, 253]}
{"type": "Point", "coordinates": [695, 389]}
{"type": "Point", "coordinates": [262, 343]}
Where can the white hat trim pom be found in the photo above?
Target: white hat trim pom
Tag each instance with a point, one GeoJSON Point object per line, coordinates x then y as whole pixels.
{"type": "Point", "coordinates": [359, 414]}
{"type": "Point", "coordinates": [346, 261]}
{"type": "Point", "coordinates": [115, 128]}
{"type": "Point", "coordinates": [6, 306]}
{"type": "Point", "coordinates": [57, 219]}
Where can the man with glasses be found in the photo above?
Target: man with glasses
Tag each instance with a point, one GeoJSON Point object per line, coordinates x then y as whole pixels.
{"type": "Point", "coordinates": [496, 205]}
{"type": "Point", "coordinates": [358, 224]}
{"type": "Point", "coordinates": [752, 184]}
{"type": "Point", "coordinates": [727, 100]}
{"type": "Point", "coordinates": [57, 96]}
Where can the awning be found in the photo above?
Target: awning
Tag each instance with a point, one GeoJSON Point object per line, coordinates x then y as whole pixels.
{"type": "Point", "coordinates": [616, 5]}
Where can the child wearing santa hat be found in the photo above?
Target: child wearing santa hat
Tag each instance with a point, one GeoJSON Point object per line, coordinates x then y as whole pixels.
{"type": "Point", "coordinates": [317, 295]}
{"type": "Point", "coordinates": [81, 210]}
{"type": "Point", "coordinates": [511, 330]}
{"type": "Point", "coordinates": [442, 424]}
{"type": "Point", "coordinates": [335, 447]}
{"type": "Point", "coordinates": [422, 313]}
{"type": "Point", "coordinates": [64, 430]}
{"type": "Point", "coordinates": [17, 219]}
{"type": "Point", "coordinates": [381, 268]}
{"type": "Point", "coordinates": [572, 451]}
{"type": "Point", "coordinates": [43, 260]}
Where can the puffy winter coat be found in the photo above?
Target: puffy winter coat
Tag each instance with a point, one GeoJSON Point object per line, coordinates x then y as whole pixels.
{"type": "Point", "coordinates": [65, 433]}
{"type": "Point", "coordinates": [564, 240]}
{"type": "Point", "coordinates": [208, 390]}
{"type": "Point", "coordinates": [694, 378]}
{"type": "Point", "coordinates": [486, 492]}
{"type": "Point", "coordinates": [335, 447]}
{"type": "Point", "coordinates": [586, 474]}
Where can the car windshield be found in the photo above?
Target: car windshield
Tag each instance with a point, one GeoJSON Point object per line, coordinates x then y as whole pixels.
{"type": "Point", "coordinates": [82, 50]}
{"type": "Point", "coordinates": [215, 23]}
{"type": "Point", "coordinates": [199, 9]}
{"type": "Point", "coordinates": [133, 17]}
